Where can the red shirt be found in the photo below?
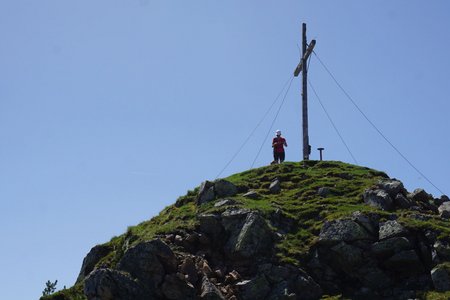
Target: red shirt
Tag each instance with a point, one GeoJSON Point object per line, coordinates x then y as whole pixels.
{"type": "Point", "coordinates": [278, 144]}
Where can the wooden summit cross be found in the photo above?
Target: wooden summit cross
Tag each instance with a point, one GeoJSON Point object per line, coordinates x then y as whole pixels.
{"type": "Point", "coordinates": [302, 67]}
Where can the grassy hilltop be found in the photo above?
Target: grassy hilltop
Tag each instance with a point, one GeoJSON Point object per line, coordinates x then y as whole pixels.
{"type": "Point", "coordinates": [302, 209]}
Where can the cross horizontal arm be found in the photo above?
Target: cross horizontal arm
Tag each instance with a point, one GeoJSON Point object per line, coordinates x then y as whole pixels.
{"type": "Point", "coordinates": [305, 57]}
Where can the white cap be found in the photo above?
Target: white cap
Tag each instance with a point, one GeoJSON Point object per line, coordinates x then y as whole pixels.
{"type": "Point", "coordinates": [278, 132]}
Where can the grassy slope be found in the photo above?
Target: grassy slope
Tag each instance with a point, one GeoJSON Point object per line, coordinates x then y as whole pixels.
{"type": "Point", "coordinates": [297, 201]}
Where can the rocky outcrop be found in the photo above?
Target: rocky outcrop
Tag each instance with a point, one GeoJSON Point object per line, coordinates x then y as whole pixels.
{"type": "Point", "coordinates": [91, 260]}
{"type": "Point", "coordinates": [218, 189]}
{"type": "Point", "coordinates": [350, 256]}
{"type": "Point", "coordinates": [231, 252]}
{"type": "Point", "coordinates": [389, 195]}
{"type": "Point", "coordinates": [107, 284]}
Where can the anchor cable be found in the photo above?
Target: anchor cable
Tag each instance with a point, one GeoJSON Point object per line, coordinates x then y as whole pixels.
{"type": "Point", "coordinates": [273, 122]}
{"type": "Point", "coordinates": [254, 129]}
{"type": "Point", "coordinates": [374, 126]}
{"type": "Point", "coordinates": [332, 123]}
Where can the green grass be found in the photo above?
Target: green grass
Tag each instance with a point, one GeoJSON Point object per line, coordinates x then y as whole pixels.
{"type": "Point", "coordinates": [73, 293]}
{"type": "Point", "coordinates": [298, 201]}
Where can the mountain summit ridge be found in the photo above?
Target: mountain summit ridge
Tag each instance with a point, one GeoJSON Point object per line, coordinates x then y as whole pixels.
{"type": "Point", "coordinates": [307, 230]}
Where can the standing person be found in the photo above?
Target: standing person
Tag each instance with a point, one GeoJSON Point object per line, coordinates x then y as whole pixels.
{"type": "Point", "coordinates": [278, 144]}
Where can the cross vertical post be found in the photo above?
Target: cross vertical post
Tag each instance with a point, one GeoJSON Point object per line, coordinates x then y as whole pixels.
{"type": "Point", "coordinates": [306, 147]}
{"type": "Point", "coordinates": [302, 67]}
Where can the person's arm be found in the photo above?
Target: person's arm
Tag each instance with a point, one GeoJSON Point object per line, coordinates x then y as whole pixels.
{"type": "Point", "coordinates": [285, 144]}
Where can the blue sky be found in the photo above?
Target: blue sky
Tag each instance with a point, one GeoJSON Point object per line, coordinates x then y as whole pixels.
{"type": "Point", "coordinates": [110, 110]}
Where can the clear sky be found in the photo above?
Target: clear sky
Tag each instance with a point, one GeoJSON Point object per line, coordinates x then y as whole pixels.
{"type": "Point", "coordinates": [110, 110]}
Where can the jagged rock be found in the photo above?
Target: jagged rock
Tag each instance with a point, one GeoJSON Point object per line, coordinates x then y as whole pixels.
{"type": "Point", "coordinates": [210, 224]}
{"type": "Point", "coordinates": [149, 262]}
{"type": "Point", "coordinates": [107, 284]}
{"type": "Point", "coordinates": [254, 237]}
{"type": "Point", "coordinates": [91, 259]}
{"type": "Point", "coordinates": [404, 262]}
{"type": "Point", "coordinates": [390, 246]}
{"type": "Point", "coordinates": [392, 187]}
{"type": "Point", "coordinates": [378, 198]}
{"type": "Point", "coordinates": [444, 210]}
{"type": "Point", "coordinates": [419, 195]}
{"type": "Point", "coordinates": [224, 188]}
{"type": "Point", "coordinates": [209, 291]}
{"type": "Point", "coordinates": [373, 277]}
{"type": "Point", "coordinates": [205, 269]}
{"type": "Point", "coordinates": [188, 268]}
{"type": "Point", "coordinates": [441, 279]}
{"type": "Point", "coordinates": [233, 276]}
{"type": "Point", "coordinates": [225, 202]}
{"type": "Point", "coordinates": [252, 195]}
{"type": "Point", "coordinates": [368, 222]}
{"type": "Point", "coordinates": [306, 288]}
{"type": "Point", "coordinates": [442, 250]}
{"type": "Point", "coordinates": [275, 274]}
{"type": "Point", "coordinates": [390, 229]}
{"type": "Point", "coordinates": [281, 291]}
{"type": "Point", "coordinates": [178, 239]}
{"type": "Point", "coordinates": [346, 257]}
{"type": "Point", "coordinates": [324, 192]}
{"type": "Point", "coordinates": [333, 232]}
{"type": "Point", "coordinates": [206, 193]}
{"type": "Point", "coordinates": [175, 287]}
{"type": "Point", "coordinates": [256, 288]}
{"type": "Point", "coordinates": [444, 198]}
{"type": "Point", "coordinates": [232, 218]}
{"type": "Point", "coordinates": [403, 202]}
{"type": "Point", "coordinates": [275, 186]}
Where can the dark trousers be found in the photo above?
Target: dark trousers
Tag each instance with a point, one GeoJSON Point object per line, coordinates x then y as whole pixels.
{"type": "Point", "coordinates": [278, 157]}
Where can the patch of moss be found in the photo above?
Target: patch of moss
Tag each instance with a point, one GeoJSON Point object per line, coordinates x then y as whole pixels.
{"type": "Point", "coordinates": [73, 293]}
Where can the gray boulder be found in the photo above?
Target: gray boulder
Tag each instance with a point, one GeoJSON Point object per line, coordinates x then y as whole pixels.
{"type": "Point", "coordinates": [405, 262]}
{"type": "Point", "coordinates": [442, 250]}
{"type": "Point", "coordinates": [107, 284]}
{"type": "Point", "coordinates": [232, 219]}
{"type": "Point", "coordinates": [419, 195]}
{"type": "Point", "coordinates": [225, 202]}
{"type": "Point", "coordinates": [188, 268]}
{"type": "Point", "coordinates": [210, 224]}
{"type": "Point", "coordinates": [149, 262]}
{"type": "Point", "coordinates": [346, 257]}
{"type": "Point", "coordinates": [392, 187]}
{"type": "Point", "coordinates": [390, 246]}
{"type": "Point", "coordinates": [306, 288]}
{"type": "Point", "coordinates": [175, 287]}
{"type": "Point", "coordinates": [256, 288]}
{"type": "Point", "coordinates": [324, 192]}
{"type": "Point", "coordinates": [91, 259]}
{"type": "Point", "coordinates": [336, 231]}
{"type": "Point", "coordinates": [441, 279]}
{"type": "Point", "coordinates": [378, 198]}
{"type": "Point", "coordinates": [274, 273]}
{"type": "Point", "coordinates": [224, 188]}
{"type": "Point", "coordinates": [255, 237]}
{"type": "Point", "coordinates": [252, 195]}
{"type": "Point", "coordinates": [369, 222]}
{"type": "Point", "coordinates": [403, 202]}
{"type": "Point", "coordinates": [209, 291]}
{"type": "Point", "coordinates": [444, 210]}
{"type": "Point", "coordinates": [390, 229]}
{"type": "Point", "coordinates": [373, 277]}
{"type": "Point", "coordinates": [275, 186]}
{"type": "Point", "coordinates": [206, 193]}
{"type": "Point", "coordinates": [281, 291]}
